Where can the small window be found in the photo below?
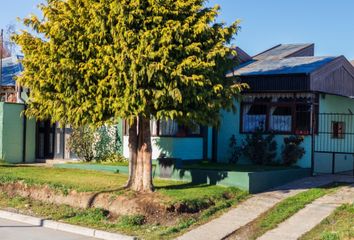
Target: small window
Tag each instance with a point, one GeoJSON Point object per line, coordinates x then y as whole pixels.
{"type": "Point", "coordinates": [338, 130]}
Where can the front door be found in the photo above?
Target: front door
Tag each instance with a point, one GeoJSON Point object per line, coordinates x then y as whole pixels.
{"type": "Point", "coordinates": [45, 140]}
{"type": "Point", "coordinates": [59, 142]}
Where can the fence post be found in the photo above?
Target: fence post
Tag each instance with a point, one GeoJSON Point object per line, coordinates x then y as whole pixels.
{"type": "Point", "coordinates": [313, 140]}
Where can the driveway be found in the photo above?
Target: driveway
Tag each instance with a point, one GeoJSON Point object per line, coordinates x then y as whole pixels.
{"type": "Point", "coordinates": [11, 230]}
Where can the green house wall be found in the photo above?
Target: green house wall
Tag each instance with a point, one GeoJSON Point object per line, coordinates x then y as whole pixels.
{"type": "Point", "coordinates": [230, 125]}
{"type": "Point", "coordinates": [343, 162]}
{"type": "Point", "coordinates": [11, 134]}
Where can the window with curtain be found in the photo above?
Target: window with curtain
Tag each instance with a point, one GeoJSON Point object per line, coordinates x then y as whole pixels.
{"type": "Point", "coordinates": [168, 128]}
{"type": "Point", "coordinates": [254, 116]}
{"type": "Point", "coordinates": [280, 119]}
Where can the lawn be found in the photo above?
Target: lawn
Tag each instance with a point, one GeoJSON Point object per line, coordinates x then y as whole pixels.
{"type": "Point", "coordinates": [168, 192]}
{"type": "Point", "coordinates": [338, 226]}
{"type": "Point", "coordinates": [282, 211]}
{"type": "Point", "coordinates": [234, 167]}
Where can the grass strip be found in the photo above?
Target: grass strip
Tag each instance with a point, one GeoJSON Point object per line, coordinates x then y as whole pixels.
{"type": "Point", "coordinates": [338, 226]}
{"type": "Point", "coordinates": [282, 211]}
{"type": "Point", "coordinates": [203, 201]}
{"type": "Point", "coordinates": [100, 219]}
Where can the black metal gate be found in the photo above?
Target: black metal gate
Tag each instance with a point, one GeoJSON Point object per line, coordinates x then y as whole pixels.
{"type": "Point", "coordinates": [333, 143]}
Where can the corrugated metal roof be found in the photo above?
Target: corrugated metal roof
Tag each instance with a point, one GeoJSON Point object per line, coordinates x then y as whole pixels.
{"type": "Point", "coordinates": [11, 67]}
{"type": "Point", "coordinates": [293, 65]}
{"type": "Point", "coordinates": [281, 51]}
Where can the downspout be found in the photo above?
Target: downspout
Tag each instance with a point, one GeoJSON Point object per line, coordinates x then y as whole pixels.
{"type": "Point", "coordinates": [24, 134]}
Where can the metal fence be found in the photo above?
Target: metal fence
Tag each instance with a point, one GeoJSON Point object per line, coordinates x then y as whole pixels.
{"type": "Point", "coordinates": [334, 143]}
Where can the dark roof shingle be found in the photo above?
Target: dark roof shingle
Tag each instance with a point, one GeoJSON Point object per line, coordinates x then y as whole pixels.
{"type": "Point", "coordinates": [281, 51]}
{"type": "Point", "coordinates": [293, 65]}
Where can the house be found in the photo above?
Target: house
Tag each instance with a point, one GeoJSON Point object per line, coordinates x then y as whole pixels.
{"type": "Point", "coordinates": [292, 92]}
{"type": "Point", "coordinates": [11, 67]}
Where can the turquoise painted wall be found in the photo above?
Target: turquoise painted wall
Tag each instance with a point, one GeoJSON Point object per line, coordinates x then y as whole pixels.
{"type": "Point", "coordinates": [230, 125]}
{"type": "Point", "coordinates": [11, 134]}
{"type": "Point", "coordinates": [182, 147]}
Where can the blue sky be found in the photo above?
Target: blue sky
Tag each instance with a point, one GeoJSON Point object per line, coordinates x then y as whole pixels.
{"type": "Point", "coordinates": [328, 23]}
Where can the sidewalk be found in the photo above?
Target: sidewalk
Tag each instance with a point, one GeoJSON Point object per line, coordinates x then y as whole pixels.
{"type": "Point", "coordinates": [314, 213]}
{"type": "Point", "coordinates": [252, 208]}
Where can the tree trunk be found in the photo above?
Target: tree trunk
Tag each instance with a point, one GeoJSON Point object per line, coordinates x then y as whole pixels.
{"type": "Point", "coordinates": [133, 149]}
{"type": "Point", "coordinates": [140, 168]}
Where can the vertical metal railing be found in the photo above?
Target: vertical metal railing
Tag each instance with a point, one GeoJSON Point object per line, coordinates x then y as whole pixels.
{"type": "Point", "coordinates": [335, 139]}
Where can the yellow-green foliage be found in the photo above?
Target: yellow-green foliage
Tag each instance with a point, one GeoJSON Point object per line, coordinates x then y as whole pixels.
{"type": "Point", "coordinates": [89, 61]}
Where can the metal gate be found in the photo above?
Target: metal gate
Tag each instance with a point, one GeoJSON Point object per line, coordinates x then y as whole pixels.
{"type": "Point", "coordinates": [333, 143]}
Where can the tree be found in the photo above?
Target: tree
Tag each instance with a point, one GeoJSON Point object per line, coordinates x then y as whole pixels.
{"type": "Point", "coordinates": [93, 61]}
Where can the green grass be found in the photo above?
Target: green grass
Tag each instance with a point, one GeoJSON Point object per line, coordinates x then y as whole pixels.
{"type": "Point", "coordinates": [95, 181]}
{"type": "Point", "coordinates": [338, 226]}
{"type": "Point", "coordinates": [234, 167]}
{"type": "Point", "coordinates": [284, 210]}
{"type": "Point", "coordinates": [205, 200]}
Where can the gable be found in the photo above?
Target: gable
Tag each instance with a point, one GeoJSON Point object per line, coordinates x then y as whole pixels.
{"type": "Point", "coordinates": [336, 78]}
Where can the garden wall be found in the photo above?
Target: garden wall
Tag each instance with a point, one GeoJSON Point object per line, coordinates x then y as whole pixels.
{"type": "Point", "coordinates": [12, 134]}
{"type": "Point", "coordinates": [253, 182]}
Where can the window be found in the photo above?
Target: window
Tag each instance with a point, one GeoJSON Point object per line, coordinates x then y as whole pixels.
{"type": "Point", "coordinates": [338, 130]}
{"type": "Point", "coordinates": [288, 115]}
{"type": "Point", "coordinates": [281, 119]}
{"type": "Point", "coordinates": [303, 119]}
{"type": "Point", "coordinates": [254, 115]}
{"type": "Point", "coordinates": [168, 128]}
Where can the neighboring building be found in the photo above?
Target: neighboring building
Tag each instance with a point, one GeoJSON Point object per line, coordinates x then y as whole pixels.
{"type": "Point", "coordinates": [11, 67]}
{"type": "Point", "coordinates": [292, 92]}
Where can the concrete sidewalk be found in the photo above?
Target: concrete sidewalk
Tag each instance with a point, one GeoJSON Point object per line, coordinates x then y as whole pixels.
{"type": "Point", "coordinates": [294, 227]}
{"type": "Point", "coordinates": [252, 208]}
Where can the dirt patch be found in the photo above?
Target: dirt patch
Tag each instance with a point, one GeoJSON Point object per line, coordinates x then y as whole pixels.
{"type": "Point", "coordinates": [115, 204]}
{"type": "Point", "coordinates": [152, 205]}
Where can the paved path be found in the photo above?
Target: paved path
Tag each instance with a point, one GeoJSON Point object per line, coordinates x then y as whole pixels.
{"type": "Point", "coordinates": [314, 213]}
{"type": "Point", "coordinates": [11, 230]}
{"type": "Point", "coordinates": [252, 208]}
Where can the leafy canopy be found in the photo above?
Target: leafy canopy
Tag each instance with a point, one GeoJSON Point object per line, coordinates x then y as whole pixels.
{"type": "Point", "coordinates": [91, 60]}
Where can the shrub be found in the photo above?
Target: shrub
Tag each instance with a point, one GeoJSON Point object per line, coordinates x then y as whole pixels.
{"type": "Point", "coordinates": [100, 144]}
{"type": "Point", "coordinates": [106, 144]}
{"type": "Point", "coordinates": [236, 151]}
{"type": "Point", "coordinates": [80, 142]}
{"type": "Point", "coordinates": [260, 148]}
{"type": "Point", "coordinates": [292, 151]}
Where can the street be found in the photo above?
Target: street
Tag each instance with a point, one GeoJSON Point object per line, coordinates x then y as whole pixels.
{"type": "Point", "coordinates": [11, 230]}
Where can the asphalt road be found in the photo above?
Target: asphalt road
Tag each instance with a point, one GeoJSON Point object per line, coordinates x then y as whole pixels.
{"type": "Point", "coordinates": [11, 230]}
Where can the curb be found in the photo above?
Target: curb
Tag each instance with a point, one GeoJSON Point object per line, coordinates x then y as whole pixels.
{"type": "Point", "coordinates": [41, 222]}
